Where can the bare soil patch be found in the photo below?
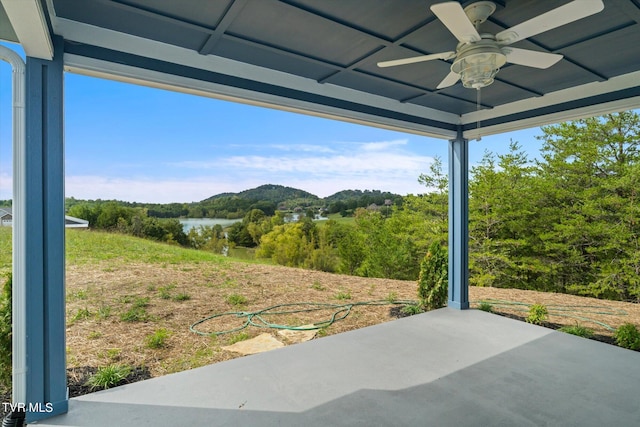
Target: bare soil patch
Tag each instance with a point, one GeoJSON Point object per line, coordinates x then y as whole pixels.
{"type": "Point", "coordinates": [99, 296]}
{"type": "Point", "coordinates": [97, 340]}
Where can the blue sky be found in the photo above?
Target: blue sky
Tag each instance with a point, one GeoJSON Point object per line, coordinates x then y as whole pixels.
{"type": "Point", "coordinates": [135, 143]}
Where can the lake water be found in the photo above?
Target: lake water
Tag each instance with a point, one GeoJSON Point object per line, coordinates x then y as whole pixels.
{"type": "Point", "coordinates": [189, 223]}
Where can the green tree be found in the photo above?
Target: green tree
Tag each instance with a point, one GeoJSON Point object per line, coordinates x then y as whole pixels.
{"type": "Point", "coordinates": [350, 246]}
{"type": "Point", "coordinates": [286, 245]}
{"type": "Point", "coordinates": [84, 211]}
{"type": "Point", "coordinates": [206, 237]}
{"type": "Point", "coordinates": [503, 212]}
{"type": "Point", "coordinates": [389, 251]}
{"type": "Point", "coordinates": [109, 213]}
{"type": "Point", "coordinates": [591, 170]}
{"type": "Point", "coordinates": [248, 232]}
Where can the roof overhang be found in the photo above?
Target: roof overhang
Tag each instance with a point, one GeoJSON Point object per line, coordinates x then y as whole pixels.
{"type": "Point", "coordinates": [319, 58]}
{"type": "Point", "coordinates": [29, 24]}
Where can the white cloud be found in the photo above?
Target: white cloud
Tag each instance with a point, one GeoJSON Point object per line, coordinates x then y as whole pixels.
{"type": "Point", "coordinates": [148, 190]}
{"type": "Point", "coordinates": [383, 145]}
{"type": "Point", "coordinates": [340, 164]}
{"type": "Point", "coordinates": [197, 164]}
{"type": "Point", "coordinates": [342, 158]}
{"type": "Point", "coordinates": [305, 148]}
{"type": "Point", "coordinates": [319, 169]}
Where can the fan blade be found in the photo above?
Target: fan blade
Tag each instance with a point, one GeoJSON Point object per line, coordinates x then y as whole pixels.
{"type": "Point", "coordinates": [443, 55]}
{"type": "Point", "coordinates": [453, 17]}
{"type": "Point", "coordinates": [558, 17]}
{"type": "Point", "coordinates": [451, 79]}
{"type": "Point", "coordinates": [530, 58]}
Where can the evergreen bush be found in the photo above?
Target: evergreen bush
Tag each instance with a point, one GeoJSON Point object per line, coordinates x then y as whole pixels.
{"type": "Point", "coordinates": [434, 278]}
{"type": "Point", "coordinates": [628, 336]}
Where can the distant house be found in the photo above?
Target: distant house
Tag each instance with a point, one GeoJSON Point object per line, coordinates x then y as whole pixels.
{"type": "Point", "coordinates": [6, 220]}
{"type": "Point", "coordinates": [6, 217]}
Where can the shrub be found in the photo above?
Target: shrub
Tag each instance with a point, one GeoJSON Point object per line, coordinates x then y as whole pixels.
{"type": "Point", "coordinates": [538, 314]}
{"type": "Point", "coordinates": [578, 330]}
{"type": "Point", "coordinates": [164, 293]}
{"type": "Point", "coordinates": [135, 314]}
{"type": "Point", "coordinates": [434, 278]}
{"type": "Point", "coordinates": [5, 333]}
{"type": "Point", "coordinates": [236, 299]}
{"type": "Point", "coordinates": [103, 312]}
{"type": "Point", "coordinates": [392, 297]}
{"type": "Point", "coordinates": [342, 295]}
{"type": "Point", "coordinates": [140, 302]}
{"type": "Point", "coordinates": [182, 297]}
{"type": "Point", "coordinates": [628, 336]}
{"type": "Point", "coordinates": [485, 306]}
{"type": "Point", "coordinates": [108, 376]}
{"type": "Point", "coordinates": [317, 286]}
{"type": "Point", "coordinates": [81, 314]}
{"type": "Point", "coordinates": [412, 309]}
{"type": "Point", "coordinates": [158, 339]}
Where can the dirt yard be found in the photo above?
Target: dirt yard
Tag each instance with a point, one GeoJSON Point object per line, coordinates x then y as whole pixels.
{"type": "Point", "coordinates": [111, 311]}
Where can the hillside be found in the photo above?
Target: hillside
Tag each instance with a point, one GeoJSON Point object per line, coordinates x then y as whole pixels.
{"type": "Point", "coordinates": [267, 192]}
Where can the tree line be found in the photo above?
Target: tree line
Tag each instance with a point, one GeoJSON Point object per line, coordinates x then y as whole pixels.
{"type": "Point", "coordinates": [568, 221]}
{"type": "Point", "coordinates": [268, 198]}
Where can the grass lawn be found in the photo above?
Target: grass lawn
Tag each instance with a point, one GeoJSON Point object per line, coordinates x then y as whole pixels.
{"type": "Point", "coordinates": [339, 218]}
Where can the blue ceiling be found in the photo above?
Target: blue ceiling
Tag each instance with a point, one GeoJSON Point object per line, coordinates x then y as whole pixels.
{"type": "Point", "coordinates": [338, 43]}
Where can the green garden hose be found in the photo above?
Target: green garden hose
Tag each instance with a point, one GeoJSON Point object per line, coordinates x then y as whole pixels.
{"type": "Point", "coordinates": [258, 318]}
{"type": "Point", "coordinates": [564, 310]}
{"type": "Point", "coordinates": [341, 311]}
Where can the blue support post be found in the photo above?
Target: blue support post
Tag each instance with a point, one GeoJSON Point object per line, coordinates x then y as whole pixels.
{"type": "Point", "coordinates": [39, 242]}
{"type": "Point", "coordinates": [459, 223]}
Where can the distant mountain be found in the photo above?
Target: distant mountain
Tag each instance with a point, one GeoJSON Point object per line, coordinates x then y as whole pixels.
{"type": "Point", "coordinates": [269, 192]}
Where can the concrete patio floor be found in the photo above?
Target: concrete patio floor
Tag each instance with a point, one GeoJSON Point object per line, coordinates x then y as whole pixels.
{"type": "Point", "coordinates": [442, 368]}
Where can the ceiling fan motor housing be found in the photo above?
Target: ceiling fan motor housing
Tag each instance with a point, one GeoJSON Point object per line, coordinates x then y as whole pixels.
{"type": "Point", "coordinates": [477, 63]}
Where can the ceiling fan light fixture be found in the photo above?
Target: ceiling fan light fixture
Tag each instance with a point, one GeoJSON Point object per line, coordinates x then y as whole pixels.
{"type": "Point", "coordinates": [479, 57]}
{"type": "Point", "coordinates": [478, 64]}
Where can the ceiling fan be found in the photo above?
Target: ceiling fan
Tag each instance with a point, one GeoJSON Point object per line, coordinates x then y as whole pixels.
{"type": "Point", "coordinates": [479, 56]}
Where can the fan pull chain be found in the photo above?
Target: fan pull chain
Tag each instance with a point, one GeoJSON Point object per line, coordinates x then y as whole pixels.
{"type": "Point", "coordinates": [478, 110]}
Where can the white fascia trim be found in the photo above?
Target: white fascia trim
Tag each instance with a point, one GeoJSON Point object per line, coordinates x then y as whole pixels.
{"type": "Point", "coordinates": [75, 31]}
{"type": "Point", "coordinates": [124, 73]}
{"type": "Point", "coordinates": [30, 25]}
{"type": "Point", "coordinates": [575, 114]}
{"type": "Point", "coordinates": [614, 84]}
